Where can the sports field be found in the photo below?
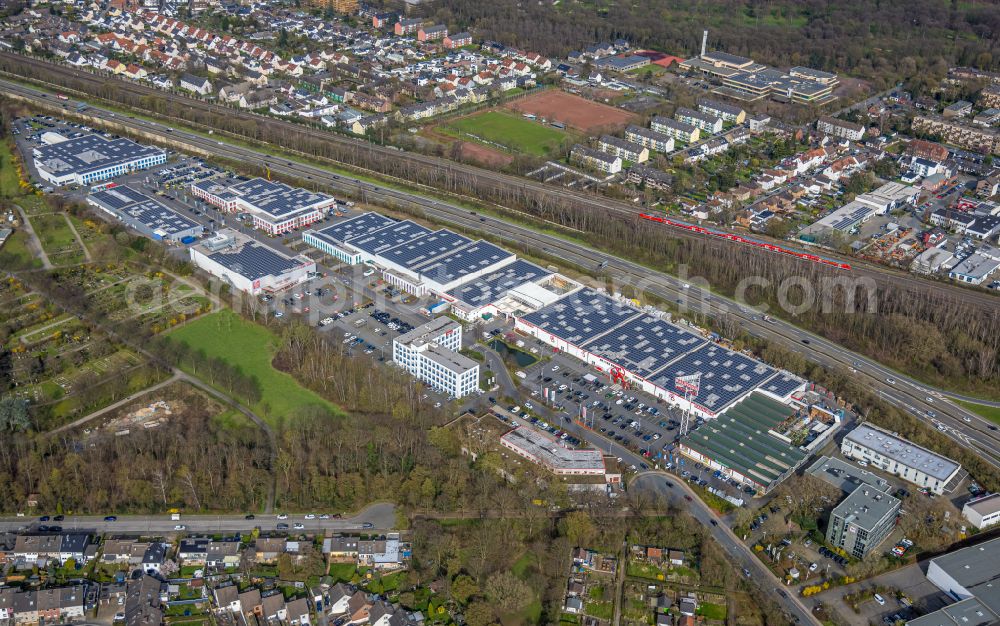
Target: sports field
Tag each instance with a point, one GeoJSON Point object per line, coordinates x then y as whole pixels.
{"type": "Point", "coordinates": [509, 132]}
{"type": "Point", "coordinates": [576, 112]}
{"type": "Point", "coordinates": [251, 347]}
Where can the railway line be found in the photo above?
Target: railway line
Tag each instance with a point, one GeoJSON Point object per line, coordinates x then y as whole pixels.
{"type": "Point", "coordinates": [967, 429]}
{"type": "Point", "coordinates": [498, 183]}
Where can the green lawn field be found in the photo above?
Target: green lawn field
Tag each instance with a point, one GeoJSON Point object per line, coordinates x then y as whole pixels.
{"type": "Point", "coordinates": [989, 412]}
{"type": "Point", "coordinates": [56, 237]}
{"type": "Point", "coordinates": [514, 132]}
{"type": "Point", "coordinates": [227, 336]}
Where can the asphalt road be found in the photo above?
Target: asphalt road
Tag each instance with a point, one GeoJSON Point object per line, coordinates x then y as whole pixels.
{"type": "Point", "coordinates": [381, 515]}
{"type": "Point", "coordinates": [930, 404]}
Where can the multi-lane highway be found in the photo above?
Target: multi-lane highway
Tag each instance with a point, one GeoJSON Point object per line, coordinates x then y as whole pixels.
{"type": "Point", "coordinates": [380, 516]}
{"type": "Point", "coordinates": [932, 405]}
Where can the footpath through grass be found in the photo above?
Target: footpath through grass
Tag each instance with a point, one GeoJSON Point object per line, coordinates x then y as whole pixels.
{"type": "Point", "coordinates": [991, 413]}
{"type": "Point", "coordinates": [251, 347]}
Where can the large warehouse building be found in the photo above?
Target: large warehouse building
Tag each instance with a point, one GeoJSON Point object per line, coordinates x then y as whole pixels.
{"type": "Point", "coordinates": [970, 576]}
{"type": "Point", "coordinates": [247, 265]}
{"type": "Point", "coordinates": [473, 275]}
{"type": "Point", "coordinates": [651, 353]}
{"type": "Point", "coordinates": [144, 214]}
{"type": "Point", "coordinates": [273, 207]}
{"type": "Point", "coordinates": [92, 158]}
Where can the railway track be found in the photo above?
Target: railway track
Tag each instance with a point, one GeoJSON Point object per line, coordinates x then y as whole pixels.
{"type": "Point", "coordinates": [499, 184]}
{"type": "Point", "coordinates": [908, 394]}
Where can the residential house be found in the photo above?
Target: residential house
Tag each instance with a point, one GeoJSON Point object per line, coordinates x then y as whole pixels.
{"type": "Point", "coordinates": [457, 40]}
{"type": "Point", "coordinates": [196, 84]}
{"type": "Point", "coordinates": [223, 554]}
{"type": "Point", "coordinates": [385, 553]}
{"type": "Point", "coordinates": [227, 598]}
{"type": "Point", "coordinates": [297, 612]}
{"type": "Point", "coordinates": [251, 604]}
{"type": "Point", "coordinates": [341, 549]}
{"type": "Point", "coordinates": [627, 150]}
{"type": "Point", "coordinates": [339, 598]}
{"type": "Point", "coordinates": [727, 112]}
{"type": "Point", "coordinates": [651, 139]}
{"type": "Point", "coordinates": [273, 607]}
{"type": "Point", "coordinates": [681, 131]}
{"type": "Point", "coordinates": [432, 33]}
{"type": "Point", "coordinates": [154, 557]}
{"type": "Point", "coordinates": [595, 159]}
{"type": "Point", "coordinates": [193, 550]}
{"type": "Point", "coordinates": [123, 551]}
{"type": "Point", "coordinates": [703, 121]}
{"type": "Point", "coordinates": [268, 549]}
{"type": "Point", "coordinates": [407, 26]}
{"type": "Point", "coordinates": [841, 128]}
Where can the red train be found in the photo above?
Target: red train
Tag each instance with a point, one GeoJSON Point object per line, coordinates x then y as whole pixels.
{"type": "Point", "coordinates": [750, 242]}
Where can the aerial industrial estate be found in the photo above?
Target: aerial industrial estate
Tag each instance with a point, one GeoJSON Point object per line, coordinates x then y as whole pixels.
{"type": "Point", "coordinates": [432, 294]}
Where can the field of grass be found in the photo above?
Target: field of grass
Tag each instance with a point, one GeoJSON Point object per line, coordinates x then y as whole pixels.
{"type": "Point", "coordinates": [8, 175]}
{"type": "Point", "coordinates": [991, 413]}
{"type": "Point", "coordinates": [227, 336]}
{"type": "Point", "coordinates": [17, 253]}
{"type": "Point", "coordinates": [57, 239]}
{"type": "Point", "coordinates": [497, 129]}
{"type": "Point", "coordinates": [712, 611]}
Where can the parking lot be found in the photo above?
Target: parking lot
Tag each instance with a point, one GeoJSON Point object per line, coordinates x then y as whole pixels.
{"type": "Point", "coordinates": [628, 418]}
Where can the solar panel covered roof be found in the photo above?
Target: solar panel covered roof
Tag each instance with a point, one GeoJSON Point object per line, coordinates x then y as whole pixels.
{"type": "Point", "coordinates": [389, 237]}
{"type": "Point", "coordinates": [725, 375]}
{"type": "Point", "coordinates": [495, 285]}
{"type": "Point", "coordinates": [130, 203]}
{"type": "Point", "coordinates": [782, 385]}
{"type": "Point", "coordinates": [581, 316]}
{"type": "Point", "coordinates": [254, 261]}
{"type": "Point", "coordinates": [416, 252]}
{"type": "Point", "coordinates": [118, 197]}
{"type": "Point", "coordinates": [357, 226]}
{"type": "Point", "coordinates": [644, 345]}
{"type": "Point", "coordinates": [277, 199]}
{"type": "Point", "coordinates": [159, 218]}
{"type": "Point", "coordinates": [90, 153]}
{"type": "Point", "coordinates": [472, 258]}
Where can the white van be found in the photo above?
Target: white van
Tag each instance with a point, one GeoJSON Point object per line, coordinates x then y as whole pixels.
{"type": "Point", "coordinates": [879, 599]}
{"type": "Point", "coordinates": [175, 517]}
{"type": "Point", "coordinates": [520, 374]}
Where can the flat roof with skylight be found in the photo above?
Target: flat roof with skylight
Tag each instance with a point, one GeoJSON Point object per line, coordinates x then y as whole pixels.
{"type": "Point", "coordinates": [903, 452]}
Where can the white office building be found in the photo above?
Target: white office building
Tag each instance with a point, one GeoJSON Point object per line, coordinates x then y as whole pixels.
{"type": "Point", "coordinates": [430, 353]}
{"type": "Point", "coordinates": [903, 458]}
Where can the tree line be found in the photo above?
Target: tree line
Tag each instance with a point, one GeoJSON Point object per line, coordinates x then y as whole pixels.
{"type": "Point", "coordinates": [883, 41]}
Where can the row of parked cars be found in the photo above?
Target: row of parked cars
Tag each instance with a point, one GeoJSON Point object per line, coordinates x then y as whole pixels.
{"type": "Point", "coordinates": [833, 556]}
{"type": "Point", "coordinates": [391, 322]}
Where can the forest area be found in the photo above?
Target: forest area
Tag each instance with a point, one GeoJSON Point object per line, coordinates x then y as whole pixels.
{"type": "Point", "coordinates": [882, 41]}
